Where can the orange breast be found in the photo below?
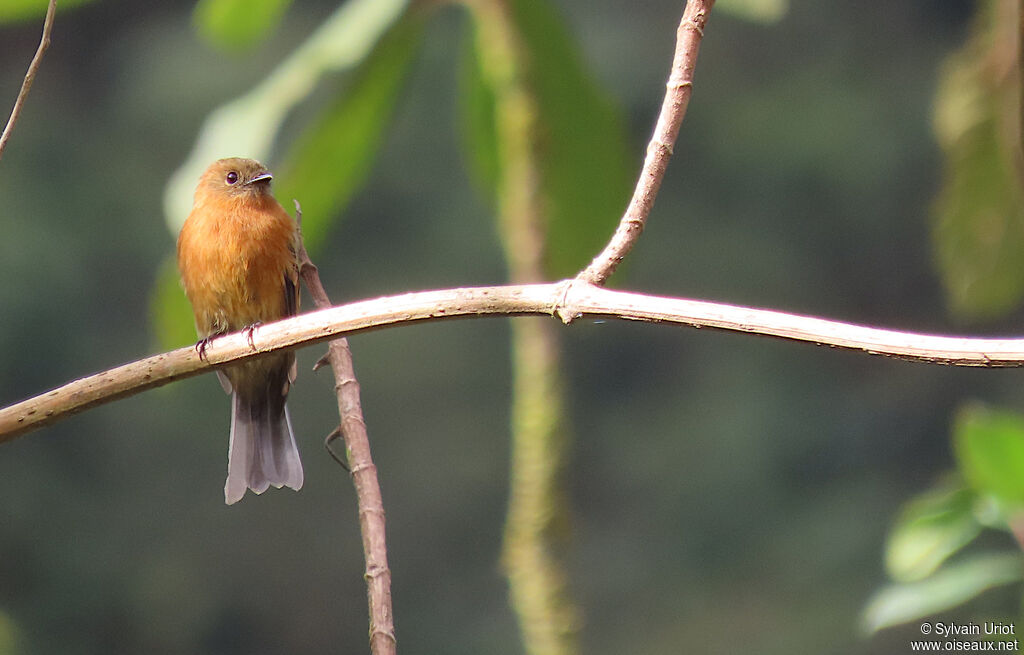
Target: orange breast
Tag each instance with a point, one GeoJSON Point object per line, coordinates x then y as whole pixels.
{"type": "Point", "coordinates": [235, 256]}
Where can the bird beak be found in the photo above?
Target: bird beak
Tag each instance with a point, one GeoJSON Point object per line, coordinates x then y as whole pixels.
{"type": "Point", "coordinates": [262, 177]}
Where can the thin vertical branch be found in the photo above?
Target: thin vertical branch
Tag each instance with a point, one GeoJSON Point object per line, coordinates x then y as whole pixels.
{"type": "Point", "coordinates": [30, 76]}
{"type": "Point", "coordinates": [538, 584]}
{"type": "Point", "coordinates": [364, 471]}
{"type": "Point", "coordinates": [659, 150]}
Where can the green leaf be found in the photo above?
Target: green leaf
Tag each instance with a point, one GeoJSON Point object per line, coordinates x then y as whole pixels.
{"type": "Point", "coordinates": [952, 586]}
{"type": "Point", "coordinates": [932, 527]}
{"type": "Point", "coordinates": [586, 166]}
{"type": "Point", "coordinates": [332, 159]}
{"type": "Point", "coordinates": [170, 313]}
{"type": "Point", "coordinates": [979, 215]}
{"type": "Point", "coordinates": [477, 107]}
{"type": "Point", "coordinates": [758, 11]}
{"type": "Point", "coordinates": [237, 24]}
{"type": "Point", "coordinates": [989, 447]}
{"type": "Point", "coordinates": [248, 125]}
{"type": "Point", "coordinates": [13, 11]}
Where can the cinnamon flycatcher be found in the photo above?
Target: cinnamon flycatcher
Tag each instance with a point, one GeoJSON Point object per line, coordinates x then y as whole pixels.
{"type": "Point", "coordinates": [236, 254]}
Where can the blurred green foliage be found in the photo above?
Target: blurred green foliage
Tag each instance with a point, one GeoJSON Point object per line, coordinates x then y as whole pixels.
{"type": "Point", "coordinates": [979, 214]}
{"type": "Point", "coordinates": [332, 159]}
{"type": "Point", "coordinates": [12, 11]}
{"type": "Point", "coordinates": [763, 11]}
{"type": "Point", "coordinates": [989, 446]}
{"type": "Point", "coordinates": [952, 586]}
{"type": "Point", "coordinates": [238, 24]}
{"type": "Point", "coordinates": [585, 169]}
{"type": "Point", "coordinates": [170, 313]}
{"type": "Point", "coordinates": [932, 527]}
{"type": "Point", "coordinates": [249, 123]}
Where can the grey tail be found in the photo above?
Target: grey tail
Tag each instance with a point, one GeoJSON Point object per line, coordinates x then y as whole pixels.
{"type": "Point", "coordinates": [262, 452]}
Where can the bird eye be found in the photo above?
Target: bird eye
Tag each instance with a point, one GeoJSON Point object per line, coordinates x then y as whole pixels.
{"type": "Point", "coordinates": [231, 177]}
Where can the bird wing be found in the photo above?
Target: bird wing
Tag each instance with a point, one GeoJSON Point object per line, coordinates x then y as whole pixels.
{"type": "Point", "coordinates": [291, 301]}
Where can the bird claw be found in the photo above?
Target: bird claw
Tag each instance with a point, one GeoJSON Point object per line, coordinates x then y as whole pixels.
{"type": "Point", "coordinates": [249, 329]}
{"type": "Point", "coordinates": [204, 343]}
{"type": "Point", "coordinates": [201, 347]}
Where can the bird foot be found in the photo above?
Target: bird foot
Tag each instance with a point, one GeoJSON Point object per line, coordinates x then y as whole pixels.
{"type": "Point", "coordinates": [249, 329]}
{"type": "Point", "coordinates": [201, 346]}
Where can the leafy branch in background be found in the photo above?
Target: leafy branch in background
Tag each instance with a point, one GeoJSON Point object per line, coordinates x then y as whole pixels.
{"type": "Point", "coordinates": [21, 10]}
{"type": "Point", "coordinates": [979, 215]}
{"type": "Point", "coordinates": [927, 553]}
{"type": "Point", "coordinates": [979, 242]}
{"type": "Point", "coordinates": [238, 24]}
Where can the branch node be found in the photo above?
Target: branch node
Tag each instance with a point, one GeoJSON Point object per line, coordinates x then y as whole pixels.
{"type": "Point", "coordinates": [359, 468]}
{"type": "Point", "coordinates": [377, 511]}
{"type": "Point", "coordinates": [560, 307]}
{"type": "Point", "coordinates": [389, 635]}
{"type": "Point", "coordinates": [693, 24]}
{"type": "Point", "coordinates": [664, 148]}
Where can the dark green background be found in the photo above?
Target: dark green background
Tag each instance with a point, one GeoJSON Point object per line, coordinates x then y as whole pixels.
{"type": "Point", "coordinates": [730, 493]}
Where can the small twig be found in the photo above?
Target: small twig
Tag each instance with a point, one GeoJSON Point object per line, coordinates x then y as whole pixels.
{"type": "Point", "coordinates": [659, 150]}
{"type": "Point", "coordinates": [30, 76]}
{"type": "Point", "coordinates": [328, 440]}
{"type": "Point", "coordinates": [363, 471]}
{"type": "Point", "coordinates": [322, 362]}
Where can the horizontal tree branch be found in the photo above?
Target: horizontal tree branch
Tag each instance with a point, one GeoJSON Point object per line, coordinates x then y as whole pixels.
{"type": "Point", "coordinates": [568, 300]}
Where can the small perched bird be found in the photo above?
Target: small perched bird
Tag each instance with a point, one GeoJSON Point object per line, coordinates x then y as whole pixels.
{"type": "Point", "coordinates": [237, 257]}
